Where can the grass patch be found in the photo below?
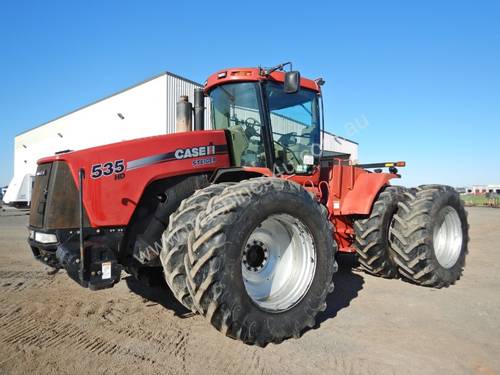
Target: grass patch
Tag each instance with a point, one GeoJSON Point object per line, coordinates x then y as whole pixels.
{"type": "Point", "coordinates": [480, 200]}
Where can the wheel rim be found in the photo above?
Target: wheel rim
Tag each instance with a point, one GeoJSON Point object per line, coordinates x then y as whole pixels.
{"type": "Point", "coordinates": [278, 263]}
{"type": "Point", "coordinates": [448, 238]}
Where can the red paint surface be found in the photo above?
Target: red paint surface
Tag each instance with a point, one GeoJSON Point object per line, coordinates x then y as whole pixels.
{"type": "Point", "coordinates": [111, 202]}
{"type": "Point", "coordinates": [344, 189]}
{"type": "Point", "coordinates": [252, 75]}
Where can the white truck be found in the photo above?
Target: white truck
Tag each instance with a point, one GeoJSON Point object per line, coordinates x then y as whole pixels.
{"type": "Point", "coordinates": [18, 194]}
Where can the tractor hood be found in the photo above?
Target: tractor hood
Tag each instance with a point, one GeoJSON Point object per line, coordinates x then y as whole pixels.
{"type": "Point", "coordinates": [115, 175]}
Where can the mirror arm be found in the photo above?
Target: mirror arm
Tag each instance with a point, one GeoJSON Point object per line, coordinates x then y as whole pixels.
{"type": "Point", "coordinates": [267, 72]}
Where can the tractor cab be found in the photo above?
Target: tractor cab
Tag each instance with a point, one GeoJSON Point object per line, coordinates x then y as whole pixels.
{"type": "Point", "coordinates": [273, 117]}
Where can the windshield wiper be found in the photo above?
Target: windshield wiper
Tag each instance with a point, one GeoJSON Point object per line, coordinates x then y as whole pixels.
{"type": "Point", "coordinates": [305, 109]}
{"type": "Point", "coordinates": [231, 97]}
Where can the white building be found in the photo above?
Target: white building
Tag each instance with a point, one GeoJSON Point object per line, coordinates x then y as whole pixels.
{"type": "Point", "coordinates": [145, 109]}
{"type": "Point", "coordinates": [483, 189]}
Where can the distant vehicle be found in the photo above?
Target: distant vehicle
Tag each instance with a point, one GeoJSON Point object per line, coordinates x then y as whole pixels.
{"type": "Point", "coordinates": [2, 193]}
{"type": "Point", "coordinates": [18, 193]}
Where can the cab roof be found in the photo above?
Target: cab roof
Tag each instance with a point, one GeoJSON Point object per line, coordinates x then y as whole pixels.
{"type": "Point", "coordinates": [252, 75]}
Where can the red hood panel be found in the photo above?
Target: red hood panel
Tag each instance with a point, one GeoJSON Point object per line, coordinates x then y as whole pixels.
{"type": "Point", "coordinates": [117, 174]}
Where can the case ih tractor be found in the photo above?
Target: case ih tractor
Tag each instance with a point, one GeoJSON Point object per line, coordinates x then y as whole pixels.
{"type": "Point", "coordinates": [245, 220]}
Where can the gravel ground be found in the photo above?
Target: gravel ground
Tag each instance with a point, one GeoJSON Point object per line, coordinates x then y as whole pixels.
{"type": "Point", "coordinates": [50, 325]}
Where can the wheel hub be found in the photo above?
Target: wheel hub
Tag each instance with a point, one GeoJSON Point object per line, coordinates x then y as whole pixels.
{"type": "Point", "coordinates": [448, 238]}
{"type": "Point", "coordinates": [278, 263]}
{"type": "Point", "coordinates": [255, 256]}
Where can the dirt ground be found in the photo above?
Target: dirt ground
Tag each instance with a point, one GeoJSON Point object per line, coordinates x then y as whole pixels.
{"type": "Point", "coordinates": [50, 325]}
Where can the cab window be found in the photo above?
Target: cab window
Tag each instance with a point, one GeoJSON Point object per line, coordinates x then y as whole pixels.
{"type": "Point", "coordinates": [295, 128]}
{"type": "Point", "coordinates": [236, 107]}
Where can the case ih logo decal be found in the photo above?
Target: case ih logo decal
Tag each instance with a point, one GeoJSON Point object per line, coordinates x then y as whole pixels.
{"type": "Point", "coordinates": [208, 153]}
{"type": "Point", "coordinates": [194, 152]}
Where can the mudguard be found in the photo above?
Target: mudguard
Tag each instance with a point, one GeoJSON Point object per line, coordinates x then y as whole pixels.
{"type": "Point", "coordinates": [359, 200]}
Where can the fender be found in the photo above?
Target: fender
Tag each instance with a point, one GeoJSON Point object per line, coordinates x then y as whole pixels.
{"type": "Point", "coordinates": [237, 174]}
{"type": "Point", "coordinates": [366, 188]}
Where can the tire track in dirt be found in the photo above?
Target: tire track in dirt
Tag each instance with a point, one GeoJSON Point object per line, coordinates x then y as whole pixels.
{"type": "Point", "coordinates": [125, 328]}
{"type": "Point", "coordinates": [23, 329]}
{"type": "Point", "coordinates": [59, 328]}
{"type": "Point", "coordinates": [20, 280]}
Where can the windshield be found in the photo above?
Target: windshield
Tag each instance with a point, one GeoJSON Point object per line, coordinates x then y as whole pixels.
{"type": "Point", "coordinates": [235, 107]}
{"type": "Point", "coordinates": [295, 125]}
{"type": "Point", "coordinates": [295, 128]}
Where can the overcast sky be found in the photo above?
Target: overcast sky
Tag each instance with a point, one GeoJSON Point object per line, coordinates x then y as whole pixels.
{"type": "Point", "coordinates": [417, 82]}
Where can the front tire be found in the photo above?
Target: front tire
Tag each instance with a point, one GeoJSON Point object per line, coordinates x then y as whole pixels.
{"type": "Point", "coordinates": [429, 236]}
{"type": "Point", "coordinates": [174, 241]}
{"type": "Point", "coordinates": [237, 252]}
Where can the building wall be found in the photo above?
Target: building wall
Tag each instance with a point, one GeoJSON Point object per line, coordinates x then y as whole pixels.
{"type": "Point", "coordinates": [176, 87]}
{"type": "Point", "coordinates": [142, 108]}
{"type": "Point", "coordinates": [139, 111]}
{"type": "Point", "coordinates": [332, 142]}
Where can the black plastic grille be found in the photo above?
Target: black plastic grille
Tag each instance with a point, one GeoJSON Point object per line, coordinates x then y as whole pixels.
{"type": "Point", "coordinates": [55, 203]}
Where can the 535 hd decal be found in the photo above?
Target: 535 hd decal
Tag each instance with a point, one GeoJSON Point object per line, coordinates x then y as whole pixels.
{"type": "Point", "coordinates": [107, 169]}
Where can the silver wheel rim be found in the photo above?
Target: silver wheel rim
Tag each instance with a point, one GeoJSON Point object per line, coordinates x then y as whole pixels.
{"type": "Point", "coordinates": [278, 263]}
{"type": "Point", "coordinates": [448, 238]}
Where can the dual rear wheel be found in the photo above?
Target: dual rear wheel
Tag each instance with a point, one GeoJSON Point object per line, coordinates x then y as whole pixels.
{"type": "Point", "coordinates": [418, 234]}
{"type": "Point", "coordinates": [429, 236]}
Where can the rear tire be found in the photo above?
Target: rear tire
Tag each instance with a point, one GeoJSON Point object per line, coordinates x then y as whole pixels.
{"type": "Point", "coordinates": [174, 241]}
{"type": "Point", "coordinates": [224, 276]}
{"type": "Point", "coordinates": [372, 234]}
{"type": "Point", "coordinates": [429, 236]}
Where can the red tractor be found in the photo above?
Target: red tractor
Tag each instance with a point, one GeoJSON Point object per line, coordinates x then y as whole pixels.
{"type": "Point", "coordinates": [244, 220]}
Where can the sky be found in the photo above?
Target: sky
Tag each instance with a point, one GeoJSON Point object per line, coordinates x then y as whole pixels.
{"type": "Point", "coordinates": [409, 80]}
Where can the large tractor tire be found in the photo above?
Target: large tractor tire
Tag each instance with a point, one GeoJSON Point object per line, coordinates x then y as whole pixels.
{"type": "Point", "coordinates": [260, 260]}
{"type": "Point", "coordinates": [429, 236]}
{"type": "Point", "coordinates": [174, 241]}
{"type": "Point", "coordinates": [372, 234]}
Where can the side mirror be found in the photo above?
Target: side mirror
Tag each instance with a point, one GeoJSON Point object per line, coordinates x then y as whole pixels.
{"type": "Point", "coordinates": [292, 82]}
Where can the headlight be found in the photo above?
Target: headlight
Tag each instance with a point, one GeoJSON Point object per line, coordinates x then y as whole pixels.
{"type": "Point", "coordinates": [32, 234]}
{"type": "Point", "coordinates": [45, 237]}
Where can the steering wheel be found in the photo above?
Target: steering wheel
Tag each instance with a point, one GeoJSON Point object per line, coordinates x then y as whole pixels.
{"type": "Point", "coordinates": [250, 125]}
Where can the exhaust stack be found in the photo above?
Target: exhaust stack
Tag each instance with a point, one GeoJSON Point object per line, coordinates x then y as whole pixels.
{"type": "Point", "coordinates": [184, 115]}
{"type": "Point", "coordinates": [199, 109]}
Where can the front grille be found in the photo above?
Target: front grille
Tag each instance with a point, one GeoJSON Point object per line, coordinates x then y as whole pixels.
{"type": "Point", "coordinates": [55, 203]}
{"type": "Point", "coordinates": [39, 195]}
